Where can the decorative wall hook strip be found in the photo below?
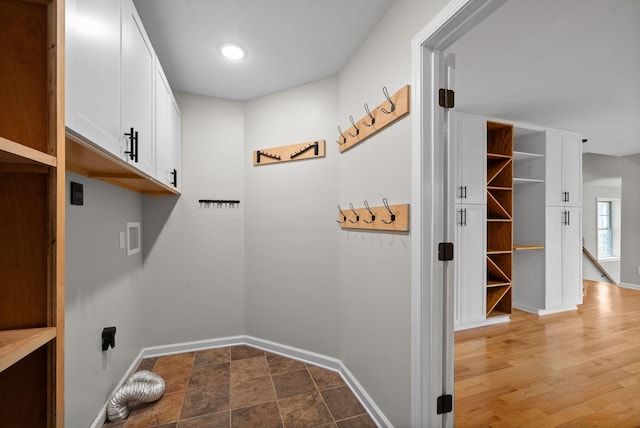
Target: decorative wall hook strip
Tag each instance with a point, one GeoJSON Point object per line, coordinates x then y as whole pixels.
{"type": "Point", "coordinates": [393, 108]}
{"type": "Point", "coordinates": [383, 218]}
{"type": "Point", "coordinates": [291, 152]}
{"type": "Point", "coordinates": [313, 146]}
{"type": "Point", "coordinates": [218, 201]}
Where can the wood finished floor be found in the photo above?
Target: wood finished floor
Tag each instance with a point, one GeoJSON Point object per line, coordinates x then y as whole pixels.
{"type": "Point", "coordinates": [241, 386]}
{"type": "Point", "coordinates": [573, 369]}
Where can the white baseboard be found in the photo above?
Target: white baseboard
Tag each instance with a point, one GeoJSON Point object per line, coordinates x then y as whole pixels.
{"type": "Point", "coordinates": [316, 359]}
{"type": "Point", "coordinates": [488, 321]}
{"type": "Point", "coordinates": [537, 311]}
{"type": "Point", "coordinates": [628, 285]}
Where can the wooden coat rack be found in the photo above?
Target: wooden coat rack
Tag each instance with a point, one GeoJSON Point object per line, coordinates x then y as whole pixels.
{"type": "Point", "coordinates": [392, 109]}
{"type": "Point", "coordinates": [293, 152]}
{"type": "Point", "coordinates": [386, 217]}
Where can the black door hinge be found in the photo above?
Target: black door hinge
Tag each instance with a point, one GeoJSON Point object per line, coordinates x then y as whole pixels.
{"type": "Point", "coordinates": [446, 98]}
{"type": "Point", "coordinates": [445, 251]}
{"type": "Point", "coordinates": [445, 404]}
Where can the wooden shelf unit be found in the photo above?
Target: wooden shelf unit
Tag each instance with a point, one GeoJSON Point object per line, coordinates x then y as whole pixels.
{"type": "Point", "coordinates": [499, 218]}
{"type": "Point", "coordinates": [32, 200]}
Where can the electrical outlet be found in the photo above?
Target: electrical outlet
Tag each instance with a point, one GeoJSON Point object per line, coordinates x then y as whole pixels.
{"type": "Point", "coordinates": [122, 240]}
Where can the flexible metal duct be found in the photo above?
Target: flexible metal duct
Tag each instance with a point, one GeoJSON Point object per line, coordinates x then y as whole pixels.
{"type": "Point", "coordinates": [142, 387]}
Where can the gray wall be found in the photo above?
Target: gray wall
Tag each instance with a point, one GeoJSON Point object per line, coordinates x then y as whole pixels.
{"type": "Point", "coordinates": [194, 254]}
{"type": "Point", "coordinates": [103, 288]}
{"type": "Point", "coordinates": [630, 245]}
{"type": "Point", "coordinates": [291, 235]}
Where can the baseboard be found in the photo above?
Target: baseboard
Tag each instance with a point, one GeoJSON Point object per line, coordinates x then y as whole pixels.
{"type": "Point", "coordinates": [488, 321]}
{"type": "Point", "coordinates": [537, 311]}
{"type": "Point", "coordinates": [628, 285]}
{"type": "Point", "coordinates": [316, 359]}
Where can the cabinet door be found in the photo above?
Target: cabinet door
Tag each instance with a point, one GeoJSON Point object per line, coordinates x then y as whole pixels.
{"type": "Point", "coordinates": [563, 169]}
{"type": "Point", "coordinates": [563, 257]}
{"type": "Point", "coordinates": [572, 168]}
{"type": "Point", "coordinates": [167, 120]}
{"type": "Point", "coordinates": [138, 70]}
{"type": "Point", "coordinates": [470, 151]}
{"type": "Point", "coordinates": [572, 257]}
{"type": "Point", "coordinates": [470, 264]}
{"type": "Point", "coordinates": [92, 50]}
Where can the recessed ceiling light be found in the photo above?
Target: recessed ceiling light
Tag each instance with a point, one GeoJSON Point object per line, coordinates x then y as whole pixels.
{"type": "Point", "coordinates": [231, 51]}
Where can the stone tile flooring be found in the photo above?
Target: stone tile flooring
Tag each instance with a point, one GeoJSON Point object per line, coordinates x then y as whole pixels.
{"type": "Point", "coordinates": [241, 386]}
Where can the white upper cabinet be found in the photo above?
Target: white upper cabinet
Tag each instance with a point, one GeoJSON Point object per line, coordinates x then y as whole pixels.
{"type": "Point", "coordinates": [564, 169]}
{"type": "Point", "coordinates": [138, 70]}
{"type": "Point", "coordinates": [470, 151]}
{"type": "Point", "coordinates": [167, 120]}
{"type": "Point", "coordinates": [93, 71]}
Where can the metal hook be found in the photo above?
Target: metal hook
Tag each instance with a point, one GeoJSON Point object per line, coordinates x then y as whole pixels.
{"type": "Point", "coordinates": [393, 106]}
{"type": "Point", "coordinates": [354, 127]}
{"type": "Point", "coordinates": [373, 119]}
{"type": "Point", "coordinates": [391, 214]}
{"type": "Point", "coordinates": [354, 213]}
{"type": "Point", "coordinates": [344, 139]}
{"type": "Point", "coordinates": [373, 216]}
{"type": "Point", "coordinates": [344, 217]}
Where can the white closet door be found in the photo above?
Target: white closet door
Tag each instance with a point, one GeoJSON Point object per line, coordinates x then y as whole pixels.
{"type": "Point", "coordinates": [471, 149]}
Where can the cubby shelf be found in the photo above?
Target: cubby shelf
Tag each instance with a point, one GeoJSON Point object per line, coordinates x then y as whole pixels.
{"type": "Point", "coordinates": [15, 153]}
{"type": "Point", "coordinates": [500, 180]}
{"type": "Point", "coordinates": [17, 344]}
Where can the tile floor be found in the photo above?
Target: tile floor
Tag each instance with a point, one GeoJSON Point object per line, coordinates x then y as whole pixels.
{"type": "Point", "coordinates": [241, 386]}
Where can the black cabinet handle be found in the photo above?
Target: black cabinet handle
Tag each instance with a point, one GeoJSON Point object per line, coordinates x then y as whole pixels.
{"type": "Point", "coordinates": [133, 144]}
{"type": "Point", "coordinates": [174, 180]}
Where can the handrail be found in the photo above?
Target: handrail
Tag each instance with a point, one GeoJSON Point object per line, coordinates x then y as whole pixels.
{"type": "Point", "coordinates": [598, 265]}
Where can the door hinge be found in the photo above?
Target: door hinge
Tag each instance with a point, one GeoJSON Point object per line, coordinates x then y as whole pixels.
{"type": "Point", "coordinates": [445, 251]}
{"type": "Point", "coordinates": [446, 98]}
{"type": "Point", "coordinates": [445, 404]}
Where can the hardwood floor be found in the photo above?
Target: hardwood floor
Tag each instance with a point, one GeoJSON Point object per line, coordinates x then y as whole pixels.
{"type": "Point", "coordinates": [574, 369]}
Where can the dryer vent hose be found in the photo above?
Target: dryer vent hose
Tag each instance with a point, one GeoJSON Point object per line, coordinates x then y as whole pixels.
{"type": "Point", "coordinates": [142, 387]}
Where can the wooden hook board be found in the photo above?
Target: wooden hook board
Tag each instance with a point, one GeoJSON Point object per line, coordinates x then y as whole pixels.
{"type": "Point", "coordinates": [360, 132]}
{"type": "Point", "coordinates": [362, 216]}
{"type": "Point", "coordinates": [293, 152]}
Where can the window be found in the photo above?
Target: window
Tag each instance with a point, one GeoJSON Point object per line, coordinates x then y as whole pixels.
{"type": "Point", "coordinates": [605, 229]}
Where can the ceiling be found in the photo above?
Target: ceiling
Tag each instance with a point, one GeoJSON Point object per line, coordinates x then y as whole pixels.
{"type": "Point", "coordinates": [288, 42]}
{"type": "Point", "coordinates": [568, 64]}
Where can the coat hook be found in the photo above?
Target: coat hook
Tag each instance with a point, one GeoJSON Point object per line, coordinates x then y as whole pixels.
{"type": "Point", "coordinates": [344, 139]}
{"type": "Point", "coordinates": [344, 217]}
{"type": "Point", "coordinates": [354, 213]}
{"type": "Point", "coordinates": [373, 216]}
{"type": "Point", "coordinates": [354, 126]}
{"type": "Point", "coordinates": [393, 106]}
{"type": "Point", "coordinates": [393, 216]}
{"type": "Point", "coordinates": [373, 119]}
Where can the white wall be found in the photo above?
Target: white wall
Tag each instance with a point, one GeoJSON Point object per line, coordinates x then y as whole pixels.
{"type": "Point", "coordinates": [194, 254]}
{"type": "Point", "coordinates": [291, 237]}
{"type": "Point", "coordinates": [375, 268]}
{"type": "Point", "coordinates": [630, 224]}
{"type": "Point", "coordinates": [103, 289]}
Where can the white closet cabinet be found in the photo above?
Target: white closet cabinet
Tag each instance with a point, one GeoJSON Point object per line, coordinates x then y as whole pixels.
{"type": "Point", "coordinates": [470, 273]}
{"type": "Point", "coordinates": [93, 72]}
{"type": "Point", "coordinates": [138, 70]}
{"type": "Point", "coordinates": [167, 132]}
{"type": "Point", "coordinates": [564, 169]}
{"type": "Point", "coordinates": [563, 259]}
{"type": "Point", "coordinates": [471, 145]}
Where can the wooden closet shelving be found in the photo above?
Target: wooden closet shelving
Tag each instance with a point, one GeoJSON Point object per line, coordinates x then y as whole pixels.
{"type": "Point", "coordinates": [32, 178]}
{"type": "Point", "coordinates": [499, 218]}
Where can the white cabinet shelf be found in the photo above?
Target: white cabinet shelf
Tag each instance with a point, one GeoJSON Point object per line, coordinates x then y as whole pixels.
{"type": "Point", "coordinates": [517, 180]}
{"type": "Point", "coordinates": [523, 156]}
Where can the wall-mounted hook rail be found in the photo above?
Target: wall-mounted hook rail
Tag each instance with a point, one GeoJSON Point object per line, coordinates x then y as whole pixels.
{"type": "Point", "coordinates": [393, 108]}
{"type": "Point", "coordinates": [218, 202]}
{"type": "Point", "coordinates": [384, 218]}
{"type": "Point", "coordinates": [310, 146]}
{"type": "Point", "coordinates": [291, 152]}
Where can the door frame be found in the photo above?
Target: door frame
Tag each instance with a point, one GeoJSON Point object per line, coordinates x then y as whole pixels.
{"type": "Point", "coordinates": [432, 334]}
